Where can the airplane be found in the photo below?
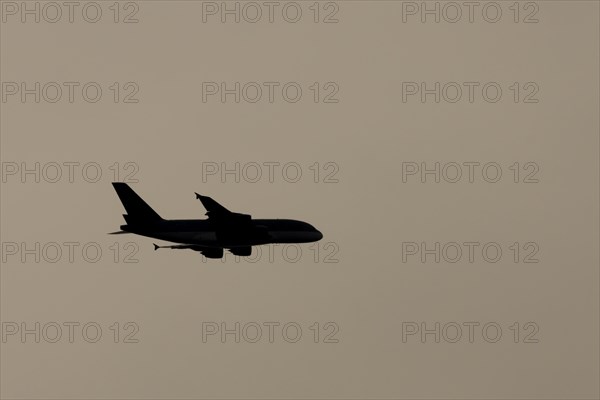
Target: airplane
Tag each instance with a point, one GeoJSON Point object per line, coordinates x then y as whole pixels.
{"type": "Point", "coordinates": [222, 229]}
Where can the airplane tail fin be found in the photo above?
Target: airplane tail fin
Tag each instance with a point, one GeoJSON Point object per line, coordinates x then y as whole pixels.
{"type": "Point", "coordinates": [138, 211]}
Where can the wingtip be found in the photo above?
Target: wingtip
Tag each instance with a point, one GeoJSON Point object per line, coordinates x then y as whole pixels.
{"type": "Point", "coordinates": [198, 196]}
{"type": "Point", "coordinates": [155, 246]}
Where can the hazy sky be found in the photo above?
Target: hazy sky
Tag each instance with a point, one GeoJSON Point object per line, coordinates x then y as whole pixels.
{"type": "Point", "coordinates": [349, 121]}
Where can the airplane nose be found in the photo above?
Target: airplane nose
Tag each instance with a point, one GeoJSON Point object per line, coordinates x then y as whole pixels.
{"type": "Point", "coordinates": [318, 235]}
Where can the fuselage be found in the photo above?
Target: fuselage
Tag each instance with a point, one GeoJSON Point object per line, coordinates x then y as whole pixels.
{"type": "Point", "coordinates": [232, 234]}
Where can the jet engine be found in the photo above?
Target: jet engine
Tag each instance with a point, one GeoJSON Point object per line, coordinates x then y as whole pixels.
{"type": "Point", "coordinates": [241, 251]}
{"type": "Point", "coordinates": [212, 253]}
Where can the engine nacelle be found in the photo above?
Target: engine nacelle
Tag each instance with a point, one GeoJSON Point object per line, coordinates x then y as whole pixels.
{"type": "Point", "coordinates": [241, 251]}
{"type": "Point", "coordinates": [212, 253]}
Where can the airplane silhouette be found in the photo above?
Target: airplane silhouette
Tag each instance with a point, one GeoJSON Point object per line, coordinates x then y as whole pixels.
{"type": "Point", "coordinates": [222, 229]}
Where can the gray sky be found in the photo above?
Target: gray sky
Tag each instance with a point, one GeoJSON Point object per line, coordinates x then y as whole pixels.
{"type": "Point", "coordinates": [360, 134]}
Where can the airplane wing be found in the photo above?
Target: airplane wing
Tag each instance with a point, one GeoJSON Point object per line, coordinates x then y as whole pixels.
{"type": "Point", "coordinates": [181, 246]}
{"type": "Point", "coordinates": [211, 205]}
{"type": "Point", "coordinates": [208, 252]}
{"type": "Point", "coordinates": [217, 211]}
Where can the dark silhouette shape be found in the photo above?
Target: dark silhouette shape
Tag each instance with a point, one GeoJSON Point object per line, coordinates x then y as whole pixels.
{"type": "Point", "coordinates": [222, 229]}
